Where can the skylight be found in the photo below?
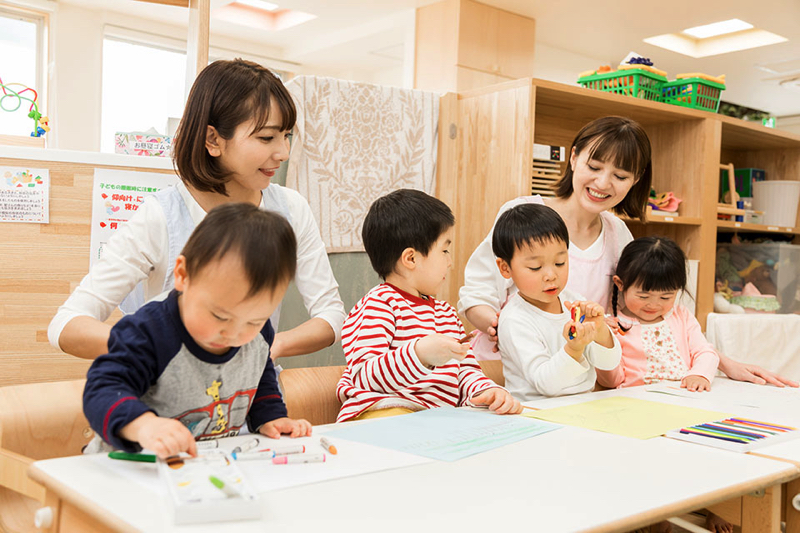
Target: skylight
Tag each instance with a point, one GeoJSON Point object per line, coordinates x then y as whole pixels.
{"type": "Point", "coordinates": [718, 28]}
{"type": "Point", "coordinates": [259, 4]}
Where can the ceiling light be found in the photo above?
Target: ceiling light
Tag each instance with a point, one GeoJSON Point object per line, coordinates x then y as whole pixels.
{"type": "Point", "coordinates": [717, 28]}
{"type": "Point", "coordinates": [259, 4]}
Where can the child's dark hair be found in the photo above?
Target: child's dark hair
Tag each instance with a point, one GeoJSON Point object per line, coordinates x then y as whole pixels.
{"type": "Point", "coordinates": [527, 224]}
{"type": "Point", "coordinates": [264, 241]}
{"type": "Point", "coordinates": [624, 143]}
{"type": "Point", "coordinates": [652, 263]}
{"type": "Point", "coordinates": [224, 95]}
{"type": "Point", "coordinates": [402, 219]}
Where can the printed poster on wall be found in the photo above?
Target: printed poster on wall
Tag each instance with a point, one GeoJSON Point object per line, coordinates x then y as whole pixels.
{"type": "Point", "coordinates": [116, 196]}
{"type": "Point", "coordinates": [25, 195]}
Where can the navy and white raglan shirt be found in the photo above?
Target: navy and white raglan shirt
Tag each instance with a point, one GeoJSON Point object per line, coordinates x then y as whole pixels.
{"type": "Point", "coordinates": [154, 365]}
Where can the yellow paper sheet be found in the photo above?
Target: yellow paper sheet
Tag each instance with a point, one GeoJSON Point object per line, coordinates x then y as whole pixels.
{"type": "Point", "coordinates": [630, 417]}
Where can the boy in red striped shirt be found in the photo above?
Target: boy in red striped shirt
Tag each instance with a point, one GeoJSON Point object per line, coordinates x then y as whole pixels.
{"type": "Point", "coordinates": [402, 346]}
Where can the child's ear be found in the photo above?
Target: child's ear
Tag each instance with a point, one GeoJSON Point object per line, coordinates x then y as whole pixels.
{"type": "Point", "coordinates": [181, 276]}
{"type": "Point", "coordinates": [505, 268]}
{"type": "Point", "coordinates": [408, 258]}
{"type": "Point", "coordinates": [213, 141]}
{"type": "Point", "coordinates": [618, 283]}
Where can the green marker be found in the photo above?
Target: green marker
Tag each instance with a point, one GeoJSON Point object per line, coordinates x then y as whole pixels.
{"type": "Point", "coordinates": [125, 456]}
{"type": "Point", "coordinates": [221, 485]}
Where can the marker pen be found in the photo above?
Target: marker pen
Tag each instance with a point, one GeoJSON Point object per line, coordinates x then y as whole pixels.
{"type": "Point", "coordinates": [227, 488]}
{"type": "Point", "coordinates": [125, 456]}
{"type": "Point", "coordinates": [249, 445]}
{"type": "Point", "coordinates": [253, 456]}
{"type": "Point", "coordinates": [325, 443]}
{"type": "Point", "coordinates": [300, 458]}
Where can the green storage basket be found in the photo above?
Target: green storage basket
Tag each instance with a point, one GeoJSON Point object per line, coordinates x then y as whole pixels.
{"type": "Point", "coordinates": [695, 93]}
{"type": "Point", "coordinates": [630, 82]}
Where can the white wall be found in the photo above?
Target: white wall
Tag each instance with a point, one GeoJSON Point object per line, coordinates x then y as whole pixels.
{"type": "Point", "coordinates": [791, 124]}
{"type": "Point", "coordinates": [563, 66]}
{"type": "Point", "coordinates": [75, 107]}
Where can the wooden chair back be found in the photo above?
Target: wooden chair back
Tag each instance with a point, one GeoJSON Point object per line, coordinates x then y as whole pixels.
{"type": "Point", "coordinates": [494, 371]}
{"type": "Point", "coordinates": [310, 393]}
{"type": "Point", "coordinates": [37, 421]}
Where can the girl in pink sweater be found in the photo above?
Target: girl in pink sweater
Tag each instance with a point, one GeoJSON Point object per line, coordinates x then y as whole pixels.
{"type": "Point", "coordinates": [660, 340]}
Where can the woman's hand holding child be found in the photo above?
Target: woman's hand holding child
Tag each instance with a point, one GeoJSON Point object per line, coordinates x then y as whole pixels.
{"type": "Point", "coordinates": [437, 349]}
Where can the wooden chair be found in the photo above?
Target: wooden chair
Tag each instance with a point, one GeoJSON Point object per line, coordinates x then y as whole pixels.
{"type": "Point", "coordinates": [310, 393]}
{"type": "Point", "coordinates": [37, 421]}
{"type": "Point", "coordinates": [494, 371]}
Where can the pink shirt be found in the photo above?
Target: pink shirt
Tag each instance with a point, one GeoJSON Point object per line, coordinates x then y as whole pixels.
{"type": "Point", "coordinates": [697, 353]}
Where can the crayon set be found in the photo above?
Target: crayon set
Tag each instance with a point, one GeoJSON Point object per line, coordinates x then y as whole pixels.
{"type": "Point", "coordinates": [738, 434]}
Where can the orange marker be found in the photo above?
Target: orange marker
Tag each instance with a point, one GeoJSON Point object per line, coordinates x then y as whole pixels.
{"type": "Point", "coordinates": [467, 337]}
{"type": "Point", "coordinates": [325, 443]}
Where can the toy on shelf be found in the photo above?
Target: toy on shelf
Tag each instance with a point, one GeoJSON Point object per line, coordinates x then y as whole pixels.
{"type": "Point", "coordinates": [722, 300]}
{"type": "Point", "coordinates": [665, 203]}
{"type": "Point", "coordinates": [695, 90]}
{"type": "Point", "coordinates": [636, 76]}
{"type": "Point", "coordinates": [41, 124]}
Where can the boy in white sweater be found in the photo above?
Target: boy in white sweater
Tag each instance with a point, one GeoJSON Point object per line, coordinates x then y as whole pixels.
{"type": "Point", "coordinates": [545, 352]}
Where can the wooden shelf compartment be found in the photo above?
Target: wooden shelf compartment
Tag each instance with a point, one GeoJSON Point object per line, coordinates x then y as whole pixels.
{"type": "Point", "coordinates": [728, 226]}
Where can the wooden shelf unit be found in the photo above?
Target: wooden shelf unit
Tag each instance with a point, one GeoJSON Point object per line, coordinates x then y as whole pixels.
{"type": "Point", "coordinates": [487, 162]}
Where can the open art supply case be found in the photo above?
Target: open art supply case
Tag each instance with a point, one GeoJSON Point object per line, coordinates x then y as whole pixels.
{"type": "Point", "coordinates": [208, 488]}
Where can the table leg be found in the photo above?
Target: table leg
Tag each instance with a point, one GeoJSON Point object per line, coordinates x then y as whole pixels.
{"type": "Point", "coordinates": [792, 517]}
{"type": "Point", "coordinates": [761, 512]}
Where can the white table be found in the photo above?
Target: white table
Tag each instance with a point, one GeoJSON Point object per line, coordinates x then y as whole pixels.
{"type": "Point", "coordinates": [566, 480]}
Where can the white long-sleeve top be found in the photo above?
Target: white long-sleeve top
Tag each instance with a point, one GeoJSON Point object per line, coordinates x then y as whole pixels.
{"type": "Point", "coordinates": [535, 363]}
{"type": "Point", "coordinates": [483, 284]}
{"type": "Point", "coordinates": [379, 340]}
{"type": "Point", "coordinates": [138, 252]}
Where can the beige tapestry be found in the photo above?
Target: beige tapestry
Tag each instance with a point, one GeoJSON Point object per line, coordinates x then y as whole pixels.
{"type": "Point", "coordinates": [355, 142]}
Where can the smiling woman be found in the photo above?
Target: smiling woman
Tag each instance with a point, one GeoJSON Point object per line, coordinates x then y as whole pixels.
{"type": "Point", "coordinates": [233, 137]}
{"type": "Point", "coordinates": [609, 169]}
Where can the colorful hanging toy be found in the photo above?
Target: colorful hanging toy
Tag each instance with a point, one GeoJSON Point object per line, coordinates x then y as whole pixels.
{"type": "Point", "coordinates": [40, 122]}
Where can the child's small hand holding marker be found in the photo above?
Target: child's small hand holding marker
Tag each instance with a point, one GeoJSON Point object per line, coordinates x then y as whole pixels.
{"type": "Point", "coordinates": [437, 349]}
{"type": "Point", "coordinates": [578, 332]}
{"type": "Point", "coordinates": [165, 436]}
{"type": "Point", "coordinates": [498, 400]}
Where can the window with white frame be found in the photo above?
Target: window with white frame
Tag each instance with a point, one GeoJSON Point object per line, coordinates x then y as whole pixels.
{"type": "Point", "coordinates": [22, 52]}
{"type": "Point", "coordinates": [143, 86]}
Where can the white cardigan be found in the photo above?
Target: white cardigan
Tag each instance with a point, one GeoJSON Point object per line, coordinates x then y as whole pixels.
{"type": "Point", "coordinates": [138, 253]}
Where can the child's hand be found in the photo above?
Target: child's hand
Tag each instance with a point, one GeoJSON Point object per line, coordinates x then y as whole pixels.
{"type": "Point", "coordinates": [437, 349]}
{"type": "Point", "coordinates": [165, 436]}
{"type": "Point", "coordinates": [286, 426]}
{"type": "Point", "coordinates": [499, 400]}
{"type": "Point", "coordinates": [492, 332]}
{"type": "Point", "coordinates": [584, 334]}
{"type": "Point", "coordinates": [695, 383]}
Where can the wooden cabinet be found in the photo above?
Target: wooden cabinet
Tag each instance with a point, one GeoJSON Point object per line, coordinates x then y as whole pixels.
{"type": "Point", "coordinates": [488, 161]}
{"type": "Point", "coordinates": [462, 45]}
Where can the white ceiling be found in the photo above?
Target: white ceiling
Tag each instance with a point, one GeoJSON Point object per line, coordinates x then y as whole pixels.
{"type": "Point", "coordinates": [370, 34]}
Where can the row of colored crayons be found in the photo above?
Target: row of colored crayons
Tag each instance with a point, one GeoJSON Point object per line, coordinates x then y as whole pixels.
{"type": "Point", "coordinates": [738, 430]}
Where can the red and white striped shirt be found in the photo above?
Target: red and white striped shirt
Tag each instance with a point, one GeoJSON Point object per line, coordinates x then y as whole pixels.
{"type": "Point", "coordinates": [379, 338]}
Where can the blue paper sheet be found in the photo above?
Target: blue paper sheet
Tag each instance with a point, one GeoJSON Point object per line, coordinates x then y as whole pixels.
{"type": "Point", "coordinates": [444, 433]}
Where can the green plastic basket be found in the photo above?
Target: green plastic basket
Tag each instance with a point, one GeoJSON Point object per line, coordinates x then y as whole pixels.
{"type": "Point", "coordinates": [630, 82]}
{"type": "Point", "coordinates": [695, 93]}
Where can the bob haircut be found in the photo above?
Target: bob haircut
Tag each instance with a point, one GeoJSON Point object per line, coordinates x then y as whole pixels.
{"type": "Point", "coordinates": [652, 263]}
{"type": "Point", "coordinates": [624, 143]}
{"type": "Point", "coordinates": [225, 95]}
{"type": "Point", "coordinates": [263, 240]}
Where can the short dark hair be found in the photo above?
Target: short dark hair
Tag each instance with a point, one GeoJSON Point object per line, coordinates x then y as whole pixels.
{"type": "Point", "coordinates": [264, 241]}
{"type": "Point", "coordinates": [653, 263]}
{"type": "Point", "coordinates": [402, 219]}
{"type": "Point", "coordinates": [527, 224]}
{"type": "Point", "coordinates": [625, 144]}
{"type": "Point", "coordinates": [225, 95]}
